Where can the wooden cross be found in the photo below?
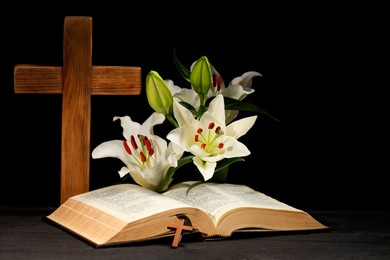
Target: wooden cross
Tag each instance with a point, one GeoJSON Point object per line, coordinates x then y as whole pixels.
{"type": "Point", "coordinates": [179, 229]}
{"type": "Point", "coordinates": [76, 80]}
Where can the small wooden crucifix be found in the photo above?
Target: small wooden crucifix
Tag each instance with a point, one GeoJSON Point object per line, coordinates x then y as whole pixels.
{"type": "Point", "coordinates": [76, 80]}
{"type": "Point", "coordinates": [180, 226]}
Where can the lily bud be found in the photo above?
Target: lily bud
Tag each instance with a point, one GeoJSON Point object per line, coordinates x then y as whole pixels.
{"type": "Point", "coordinates": [158, 94]}
{"type": "Point", "coordinates": [201, 76]}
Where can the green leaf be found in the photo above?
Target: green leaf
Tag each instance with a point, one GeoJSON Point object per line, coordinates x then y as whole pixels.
{"type": "Point", "coordinates": [226, 162]}
{"type": "Point", "coordinates": [234, 104]}
{"type": "Point", "coordinates": [184, 72]}
{"type": "Point", "coordinates": [221, 171]}
{"type": "Point", "coordinates": [197, 114]}
{"type": "Point", "coordinates": [188, 106]}
{"type": "Point", "coordinates": [220, 175]}
{"type": "Point", "coordinates": [164, 184]}
{"type": "Point", "coordinates": [184, 160]}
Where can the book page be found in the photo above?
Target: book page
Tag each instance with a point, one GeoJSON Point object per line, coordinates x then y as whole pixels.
{"type": "Point", "coordinates": [128, 202]}
{"type": "Point", "coordinates": [217, 198]}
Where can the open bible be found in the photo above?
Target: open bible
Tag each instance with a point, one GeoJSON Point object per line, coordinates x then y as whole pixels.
{"type": "Point", "coordinates": [125, 213]}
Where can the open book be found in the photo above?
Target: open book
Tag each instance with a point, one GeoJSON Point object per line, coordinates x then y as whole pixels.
{"type": "Point", "coordinates": [125, 213]}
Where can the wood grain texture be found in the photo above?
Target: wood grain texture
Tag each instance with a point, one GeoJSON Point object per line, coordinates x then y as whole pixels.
{"type": "Point", "coordinates": [109, 80]}
{"type": "Point", "coordinates": [106, 80]}
{"type": "Point", "coordinates": [76, 106]}
{"type": "Point", "coordinates": [33, 79]}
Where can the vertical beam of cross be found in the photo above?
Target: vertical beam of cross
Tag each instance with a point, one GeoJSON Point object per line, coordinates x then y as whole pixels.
{"type": "Point", "coordinates": [76, 105]}
{"type": "Point", "coordinates": [77, 80]}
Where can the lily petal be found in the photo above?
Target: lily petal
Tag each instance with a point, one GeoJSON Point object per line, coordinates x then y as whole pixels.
{"type": "Point", "coordinates": [128, 125]}
{"type": "Point", "coordinates": [148, 178]}
{"type": "Point", "coordinates": [182, 115]}
{"type": "Point", "coordinates": [123, 171]}
{"type": "Point", "coordinates": [215, 112]}
{"type": "Point", "coordinates": [241, 86]}
{"type": "Point", "coordinates": [114, 149]}
{"type": "Point", "coordinates": [234, 148]}
{"type": "Point", "coordinates": [154, 119]}
{"type": "Point", "coordinates": [180, 137]}
{"type": "Point", "coordinates": [240, 127]}
{"type": "Point", "coordinates": [205, 168]}
{"type": "Point", "coordinates": [174, 153]}
{"type": "Point", "coordinates": [109, 149]}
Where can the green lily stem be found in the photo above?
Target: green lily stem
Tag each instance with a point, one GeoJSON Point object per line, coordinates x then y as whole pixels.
{"type": "Point", "coordinates": [172, 120]}
{"type": "Point", "coordinates": [201, 99]}
{"type": "Point", "coordinates": [202, 107]}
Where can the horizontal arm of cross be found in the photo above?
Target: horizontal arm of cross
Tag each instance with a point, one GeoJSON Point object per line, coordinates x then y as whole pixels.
{"type": "Point", "coordinates": [106, 80]}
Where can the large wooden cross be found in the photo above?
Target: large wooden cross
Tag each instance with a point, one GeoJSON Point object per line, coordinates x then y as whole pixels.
{"type": "Point", "coordinates": [76, 80]}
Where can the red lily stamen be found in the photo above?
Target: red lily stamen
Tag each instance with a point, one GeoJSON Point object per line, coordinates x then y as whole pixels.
{"type": "Point", "coordinates": [142, 155]}
{"type": "Point", "coordinates": [210, 142]}
{"type": "Point", "coordinates": [147, 143]}
{"type": "Point", "coordinates": [127, 147]}
{"type": "Point", "coordinates": [133, 143]}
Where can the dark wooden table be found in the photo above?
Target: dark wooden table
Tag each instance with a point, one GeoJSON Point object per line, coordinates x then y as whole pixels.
{"type": "Point", "coordinates": [24, 234]}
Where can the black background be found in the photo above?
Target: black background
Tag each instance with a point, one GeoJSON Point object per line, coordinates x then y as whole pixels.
{"type": "Point", "coordinates": [323, 70]}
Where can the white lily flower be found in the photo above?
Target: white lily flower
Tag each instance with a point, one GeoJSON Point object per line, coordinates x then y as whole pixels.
{"type": "Point", "coordinates": [238, 88]}
{"type": "Point", "coordinates": [147, 156]}
{"type": "Point", "coordinates": [241, 86]}
{"type": "Point", "coordinates": [209, 139]}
